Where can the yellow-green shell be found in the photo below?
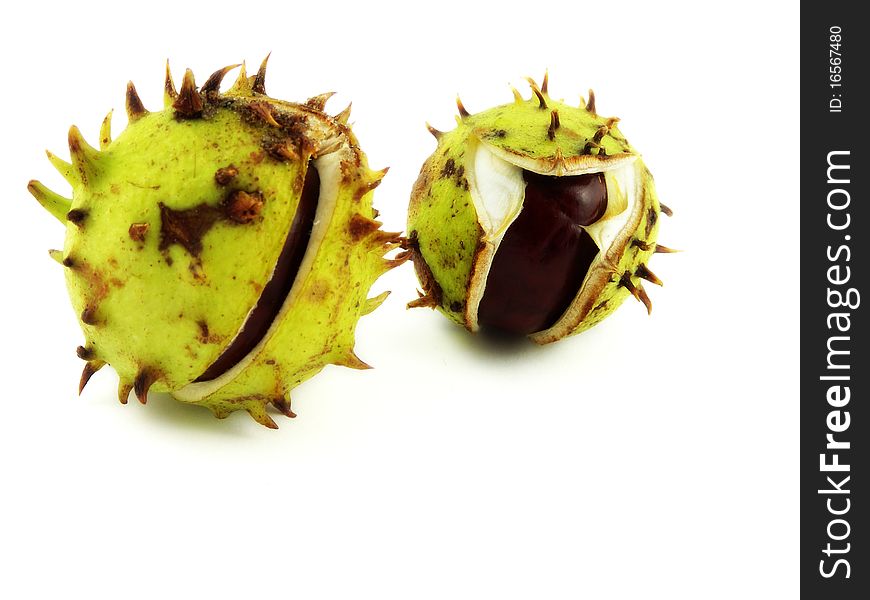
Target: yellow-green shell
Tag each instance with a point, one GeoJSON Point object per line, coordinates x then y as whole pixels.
{"type": "Point", "coordinates": [547, 136]}
{"type": "Point", "coordinates": [160, 314]}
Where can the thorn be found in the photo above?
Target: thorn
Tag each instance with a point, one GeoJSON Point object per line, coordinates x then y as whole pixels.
{"type": "Point", "coordinates": [262, 110]}
{"type": "Point", "coordinates": [641, 244]}
{"type": "Point", "coordinates": [124, 390]}
{"type": "Point", "coordinates": [666, 210]}
{"type": "Point", "coordinates": [135, 108]}
{"type": "Point", "coordinates": [424, 301]}
{"type": "Point", "coordinates": [76, 216]}
{"type": "Point", "coordinates": [352, 361]}
{"type": "Point", "coordinates": [258, 413]}
{"type": "Point", "coordinates": [643, 272]}
{"type": "Point", "coordinates": [590, 105]}
{"type": "Point", "coordinates": [344, 115]}
{"type": "Point", "coordinates": [599, 134]}
{"type": "Point", "coordinates": [64, 168]}
{"type": "Point", "coordinates": [188, 105]}
{"type": "Point", "coordinates": [84, 156]}
{"type": "Point", "coordinates": [372, 304]}
{"type": "Point", "coordinates": [213, 83]}
{"type": "Point", "coordinates": [546, 82]}
{"type": "Point", "coordinates": [401, 258]}
{"type": "Point", "coordinates": [84, 353]}
{"type": "Point", "coordinates": [143, 382]}
{"type": "Point", "coordinates": [319, 102]}
{"type": "Point", "coordinates": [282, 151]}
{"type": "Point", "coordinates": [437, 134]}
{"type": "Point", "coordinates": [541, 102]}
{"type": "Point", "coordinates": [284, 407]}
{"type": "Point", "coordinates": [554, 125]}
{"type": "Point", "coordinates": [169, 93]}
{"type": "Point", "coordinates": [106, 131]}
{"type": "Point", "coordinates": [463, 113]}
{"type": "Point", "coordinates": [91, 367]}
{"type": "Point", "coordinates": [54, 203]}
{"type": "Point", "coordinates": [636, 290]}
{"type": "Point", "coordinates": [57, 256]}
{"type": "Point", "coordinates": [518, 98]}
{"type": "Point", "coordinates": [89, 316]}
{"type": "Point", "coordinates": [241, 87]}
{"type": "Point", "coordinates": [259, 86]}
{"type": "Point", "coordinates": [664, 249]}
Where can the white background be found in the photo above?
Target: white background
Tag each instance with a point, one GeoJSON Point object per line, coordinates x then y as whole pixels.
{"type": "Point", "coordinates": [651, 457]}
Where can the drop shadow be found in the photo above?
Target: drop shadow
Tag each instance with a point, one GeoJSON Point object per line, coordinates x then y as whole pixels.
{"type": "Point", "coordinates": [180, 415]}
{"type": "Point", "coordinates": [494, 343]}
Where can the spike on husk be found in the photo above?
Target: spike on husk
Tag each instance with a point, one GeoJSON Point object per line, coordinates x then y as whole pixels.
{"type": "Point", "coordinates": [245, 225]}
{"type": "Point", "coordinates": [508, 179]}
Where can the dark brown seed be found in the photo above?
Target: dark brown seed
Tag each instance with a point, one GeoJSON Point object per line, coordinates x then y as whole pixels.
{"type": "Point", "coordinates": [544, 255]}
{"type": "Point", "coordinates": [279, 286]}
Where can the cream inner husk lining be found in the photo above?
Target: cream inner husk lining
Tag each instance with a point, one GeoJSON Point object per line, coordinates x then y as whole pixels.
{"type": "Point", "coordinates": [328, 169]}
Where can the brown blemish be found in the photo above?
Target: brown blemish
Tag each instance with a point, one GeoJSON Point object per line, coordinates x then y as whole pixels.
{"type": "Point", "coordinates": [89, 316]}
{"type": "Point", "coordinates": [359, 227]}
{"type": "Point", "coordinates": [225, 175]}
{"type": "Point", "coordinates": [84, 353]}
{"type": "Point", "coordinates": [77, 216]}
{"type": "Point", "coordinates": [138, 231]}
{"type": "Point", "coordinates": [457, 306]}
{"type": "Point", "coordinates": [68, 262]}
{"type": "Point", "coordinates": [243, 207]}
{"type": "Point", "coordinates": [281, 150]}
{"type": "Point", "coordinates": [187, 227]}
{"type": "Point", "coordinates": [203, 331]}
{"type": "Point", "coordinates": [449, 168]}
{"type": "Point", "coordinates": [651, 218]}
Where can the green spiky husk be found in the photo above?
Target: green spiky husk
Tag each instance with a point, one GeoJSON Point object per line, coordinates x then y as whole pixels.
{"type": "Point", "coordinates": [443, 225]}
{"type": "Point", "coordinates": [160, 313]}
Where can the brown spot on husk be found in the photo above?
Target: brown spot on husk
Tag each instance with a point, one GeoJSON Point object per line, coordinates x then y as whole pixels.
{"type": "Point", "coordinates": [187, 227]}
{"type": "Point", "coordinates": [138, 231]}
{"type": "Point", "coordinates": [77, 216]}
{"type": "Point", "coordinates": [360, 226]}
{"type": "Point", "coordinates": [242, 207]}
{"type": "Point", "coordinates": [89, 315]}
{"type": "Point", "coordinates": [225, 175]}
{"type": "Point", "coordinates": [651, 218]}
